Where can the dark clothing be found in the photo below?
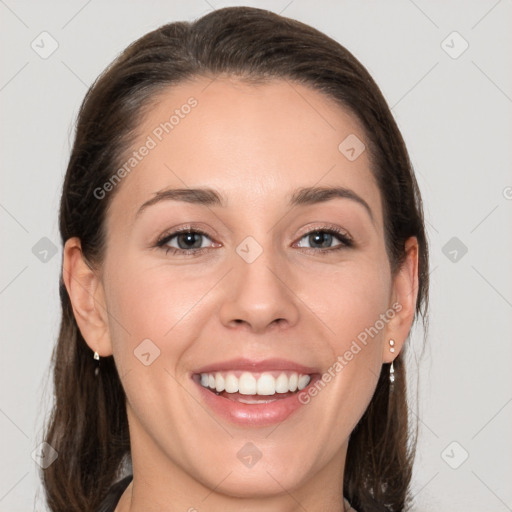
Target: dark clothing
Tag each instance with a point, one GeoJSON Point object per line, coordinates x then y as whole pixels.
{"type": "Point", "coordinates": [110, 502]}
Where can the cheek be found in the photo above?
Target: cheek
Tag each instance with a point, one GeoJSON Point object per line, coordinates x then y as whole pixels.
{"type": "Point", "coordinates": [350, 307]}
{"type": "Point", "coordinates": [155, 303]}
{"type": "Point", "coordinates": [349, 301]}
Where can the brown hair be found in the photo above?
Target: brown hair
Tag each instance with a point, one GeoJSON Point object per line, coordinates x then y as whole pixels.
{"type": "Point", "coordinates": [88, 425]}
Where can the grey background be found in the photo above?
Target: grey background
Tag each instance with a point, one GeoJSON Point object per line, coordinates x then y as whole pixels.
{"type": "Point", "coordinates": [455, 115]}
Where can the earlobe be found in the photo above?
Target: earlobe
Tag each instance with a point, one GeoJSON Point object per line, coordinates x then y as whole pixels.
{"type": "Point", "coordinates": [404, 296]}
{"type": "Point", "coordinates": [87, 298]}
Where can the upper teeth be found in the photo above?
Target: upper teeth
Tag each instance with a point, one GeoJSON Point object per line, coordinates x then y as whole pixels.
{"type": "Point", "coordinates": [255, 384]}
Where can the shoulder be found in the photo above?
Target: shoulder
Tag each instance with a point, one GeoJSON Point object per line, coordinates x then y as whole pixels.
{"type": "Point", "coordinates": [112, 498]}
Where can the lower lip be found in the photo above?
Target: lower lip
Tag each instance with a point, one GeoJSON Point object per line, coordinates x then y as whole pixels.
{"type": "Point", "coordinates": [257, 415]}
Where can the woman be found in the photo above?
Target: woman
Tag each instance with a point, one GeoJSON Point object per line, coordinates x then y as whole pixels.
{"type": "Point", "coordinates": [244, 257]}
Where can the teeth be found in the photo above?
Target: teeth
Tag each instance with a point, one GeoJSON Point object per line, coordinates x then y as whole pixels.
{"type": "Point", "coordinates": [303, 381]}
{"type": "Point", "coordinates": [231, 383]}
{"type": "Point", "coordinates": [293, 382]}
{"type": "Point", "coordinates": [219, 382]}
{"type": "Point", "coordinates": [247, 383]}
{"type": "Point", "coordinates": [266, 385]}
{"type": "Point", "coordinates": [282, 384]}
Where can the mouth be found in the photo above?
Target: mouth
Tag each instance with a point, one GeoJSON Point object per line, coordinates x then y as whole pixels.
{"type": "Point", "coordinates": [254, 393]}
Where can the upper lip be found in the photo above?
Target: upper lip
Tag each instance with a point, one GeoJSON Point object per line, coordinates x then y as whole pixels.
{"type": "Point", "coordinates": [251, 365]}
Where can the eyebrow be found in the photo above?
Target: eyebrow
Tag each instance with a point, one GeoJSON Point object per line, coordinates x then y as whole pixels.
{"type": "Point", "coordinates": [210, 197]}
{"type": "Point", "coordinates": [314, 195]}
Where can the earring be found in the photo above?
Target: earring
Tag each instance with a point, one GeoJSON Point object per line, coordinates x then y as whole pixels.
{"type": "Point", "coordinates": [97, 358]}
{"type": "Point", "coordinates": [391, 373]}
{"type": "Point", "coordinates": [391, 368]}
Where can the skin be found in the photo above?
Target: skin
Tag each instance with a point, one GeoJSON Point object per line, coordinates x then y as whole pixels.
{"type": "Point", "coordinates": [254, 144]}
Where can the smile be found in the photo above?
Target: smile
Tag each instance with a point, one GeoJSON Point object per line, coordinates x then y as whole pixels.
{"type": "Point", "coordinates": [254, 394]}
{"type": "Point", "coordinates": [249, 383]}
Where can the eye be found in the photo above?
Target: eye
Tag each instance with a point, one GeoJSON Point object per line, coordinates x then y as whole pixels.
{"type": "Point", "coordinates": [188, 241]}
{"type": "Point", "coordinates": [184, 241]}
{"type": "Point", "coordinates": [323, 239]}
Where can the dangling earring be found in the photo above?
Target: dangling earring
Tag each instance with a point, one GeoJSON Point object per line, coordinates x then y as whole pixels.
{"type": "Point", "coordinates": [97, 358]}
{"type": "Point", "coordinates": [391, 368]}
{"type": "Point", "coordinates": [391, 373]}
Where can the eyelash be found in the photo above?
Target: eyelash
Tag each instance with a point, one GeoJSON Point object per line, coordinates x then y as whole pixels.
{"type": "Point", "coordinates": [342, 237]}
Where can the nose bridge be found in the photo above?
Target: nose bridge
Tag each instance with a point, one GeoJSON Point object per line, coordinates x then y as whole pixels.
{"type": "Point", "coordinates": [258, 293]}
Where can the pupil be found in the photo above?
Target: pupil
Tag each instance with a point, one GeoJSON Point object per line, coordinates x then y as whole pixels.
{"type": "Point", "coordinates": [189, 240]}
{"type": "Point", "coordinates": [321, 237]}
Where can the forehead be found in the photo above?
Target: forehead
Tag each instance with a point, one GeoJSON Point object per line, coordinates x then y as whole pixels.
{"type": "Point", "coordinates": [254, 143]}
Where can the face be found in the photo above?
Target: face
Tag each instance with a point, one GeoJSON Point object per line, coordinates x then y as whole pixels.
{"type": "Point", "coordinates": [271, 286]}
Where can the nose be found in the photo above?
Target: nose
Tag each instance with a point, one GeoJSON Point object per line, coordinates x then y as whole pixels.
{"type": "Point", "coordinates": [260, 295]}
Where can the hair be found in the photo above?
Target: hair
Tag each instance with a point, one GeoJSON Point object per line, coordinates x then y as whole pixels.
{"type": "Point", "coordinates": [88, 424]}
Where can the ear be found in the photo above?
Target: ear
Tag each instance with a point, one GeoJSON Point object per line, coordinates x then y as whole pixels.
{"type": "Point", "coordinates": [87, 297]}
{"type": "Point", "coordinates": [403, 301]}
